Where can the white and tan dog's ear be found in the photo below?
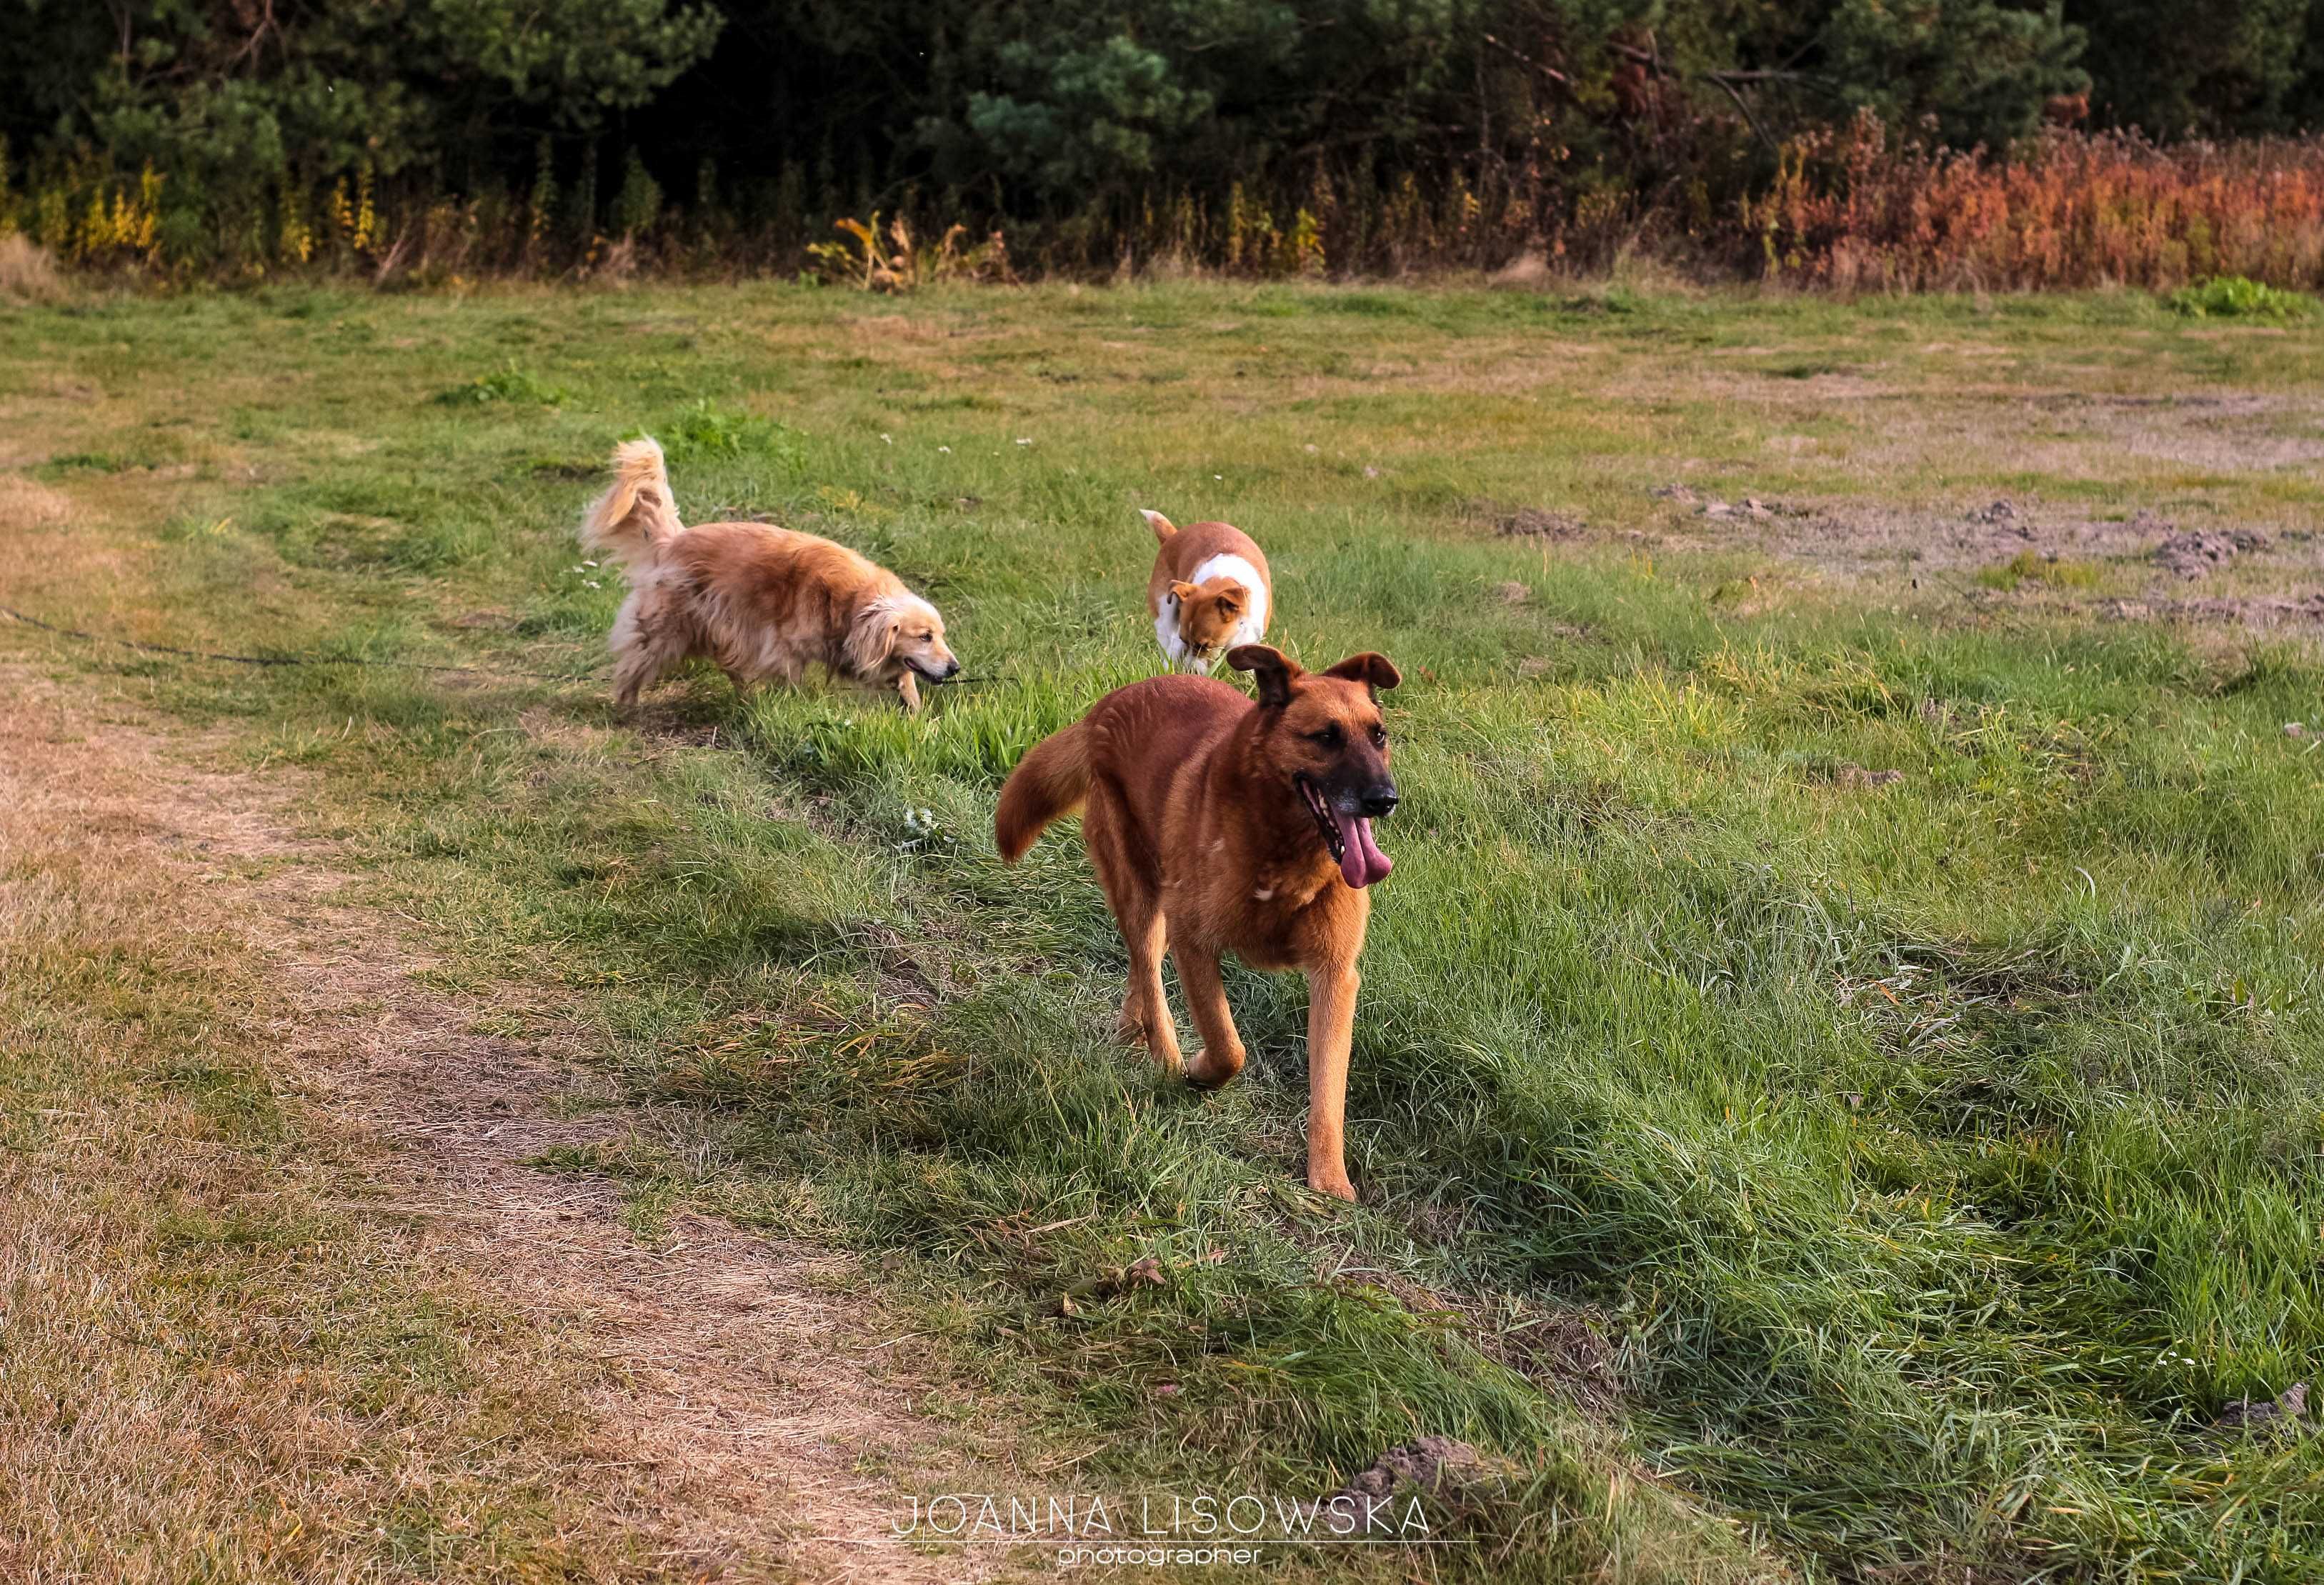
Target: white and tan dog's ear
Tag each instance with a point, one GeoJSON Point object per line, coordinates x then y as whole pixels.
{"type": "Point", "coordinates": [872, 637]}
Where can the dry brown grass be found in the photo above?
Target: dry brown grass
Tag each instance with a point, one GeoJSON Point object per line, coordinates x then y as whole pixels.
{"type": "Point", "coordinates": [26, 503]}
{"type": "Point", "coordinates": [282, 1300]}
{"type": "Point", "coordinates": [214, 1364]}
{"type": "Point", "coordinates": [28, 273]}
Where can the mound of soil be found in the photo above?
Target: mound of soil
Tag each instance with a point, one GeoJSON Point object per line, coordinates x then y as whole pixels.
{"type": "Point", "coordinates": [1428, 1462]}
{"type": "Point", "coordinates": [2192, 553]}
{"type": "Point", "coordinates": [1534, 523]}
{"type": "Point", "coordinates": [2249, 1412]}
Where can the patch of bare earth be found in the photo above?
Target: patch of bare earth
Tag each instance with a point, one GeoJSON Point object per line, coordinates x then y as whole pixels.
{"type": "Point", "coordinates": [2227, 575]}
{"type": "Point", "coordinates": [740, 1389]}
{"type": "Point", "coordinates": [2125, 567]}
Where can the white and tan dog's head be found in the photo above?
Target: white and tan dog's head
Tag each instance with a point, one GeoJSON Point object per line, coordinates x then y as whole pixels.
{"type": "Point", "coordinates": [896, 634]}
{"type": "Point", "coordinates": [1209, 614]}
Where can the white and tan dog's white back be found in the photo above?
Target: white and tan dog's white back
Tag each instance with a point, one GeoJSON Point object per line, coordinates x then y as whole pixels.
{"type": "Point", "coordinates": [763, 602]}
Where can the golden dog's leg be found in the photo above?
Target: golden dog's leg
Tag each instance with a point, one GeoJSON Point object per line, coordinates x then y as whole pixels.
{"type": "Point", "coordinates": [910, 688]}
{"type": "Point", "coordinates": [1221, 1056]}
{"type": "Point", "coordinates": [1331, 1030]}
{"type": "Point", "coordinates": [630, 677]}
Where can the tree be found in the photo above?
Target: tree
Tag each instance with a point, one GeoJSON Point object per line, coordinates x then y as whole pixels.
{"type": "Point", "coordinates": [2173, 67]}
{"type": "Point", "coordinates": [232, 97]}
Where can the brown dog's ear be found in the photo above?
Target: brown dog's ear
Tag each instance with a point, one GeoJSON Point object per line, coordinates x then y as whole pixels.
{"type": "Point", "coordinates": [1373, 670]}
{"type": "Point", "coordinates": [1185, 592]}
{"type": "Point", "coordinates": [1233, 598]}
{"type": "Point", "coordinates": [1271, 669]}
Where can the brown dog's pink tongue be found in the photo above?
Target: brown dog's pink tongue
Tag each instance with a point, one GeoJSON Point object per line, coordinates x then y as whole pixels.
{"type": "Point", "coordinates": [1360, 860]}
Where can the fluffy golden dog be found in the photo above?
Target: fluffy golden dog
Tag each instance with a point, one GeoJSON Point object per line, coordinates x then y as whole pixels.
{"type": "Point", "coordinates": [762, 601]}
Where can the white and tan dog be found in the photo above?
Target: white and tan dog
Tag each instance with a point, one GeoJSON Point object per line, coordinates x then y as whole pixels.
{"type": "Point", "coordinates": [1208, 593]}
{"type": "Point", "coordinates": [762, 601]}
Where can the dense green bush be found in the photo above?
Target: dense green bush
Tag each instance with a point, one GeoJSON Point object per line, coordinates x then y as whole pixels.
{"type": "Point", "coordinates": [2238, 296]}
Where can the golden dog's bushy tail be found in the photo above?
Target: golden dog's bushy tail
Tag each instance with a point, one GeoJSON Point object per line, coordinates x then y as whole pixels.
{"type": "Point", "coordinates": [1048, 783]}
{"type": "Point", "coordinates": [630, 521]}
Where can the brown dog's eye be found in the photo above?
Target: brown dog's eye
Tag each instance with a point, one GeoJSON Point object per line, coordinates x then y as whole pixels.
{"type": "Point", "coordinates": [1379, 736]}
{"type": "Point", "coordinates": [1328, 738]}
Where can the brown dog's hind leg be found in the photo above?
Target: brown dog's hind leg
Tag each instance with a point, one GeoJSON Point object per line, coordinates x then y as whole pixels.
{"type": "Point", "coordinates": [1145, 1011]}
{"type": "Point", "coordinates": [1331, 1030]}
{"type": "Point", "coordinates": [1221, 1056]}
{"type": "Point", "coordinates": [1137, 904]}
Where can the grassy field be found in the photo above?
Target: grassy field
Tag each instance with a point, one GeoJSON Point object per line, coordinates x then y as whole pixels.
{"type": "Point", "coordinates": [1782, 1167]}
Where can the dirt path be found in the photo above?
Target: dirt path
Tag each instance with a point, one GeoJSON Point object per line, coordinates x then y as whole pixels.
{"type": "Point", "coordinates": [734, 1371]}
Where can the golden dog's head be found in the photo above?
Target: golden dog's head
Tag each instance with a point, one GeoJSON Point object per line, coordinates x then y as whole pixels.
{"type": "Point", "coordinates": [1323, 732]}
{"type": "Point", "coordinates": [1208, 613]}
{"type": "Point", "coordinates": [898, 633]}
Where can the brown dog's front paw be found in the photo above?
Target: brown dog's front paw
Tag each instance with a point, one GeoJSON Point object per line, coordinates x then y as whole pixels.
{"type": "Point", "coordinates": [1208, 1072]}
{"type": "Point", "coordinates": [1332, 1181]}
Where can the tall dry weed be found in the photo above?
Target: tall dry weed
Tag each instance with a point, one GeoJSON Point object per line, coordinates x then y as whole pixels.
{"type": "Point", "coordinates": [1851, 210]}
{"type": "Point", "coordinates": [28, 271]}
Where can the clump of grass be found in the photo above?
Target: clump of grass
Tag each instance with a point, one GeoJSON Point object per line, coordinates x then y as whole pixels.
{"type": "Point", "coordinates": [86, 462]}
{"type": "Point", "coordinates": [708, 432]}
{"type": "Point", "coordinates": [2240, 297]}
{"type": "Point", "coordinates": [2029, 566]}
{"type": "Point", "coordinates": [1611, 297]}
{"type": "Point", "coordinates": [508, 385]}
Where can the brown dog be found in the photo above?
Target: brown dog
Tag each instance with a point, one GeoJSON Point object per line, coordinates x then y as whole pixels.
{"type": "Point", "coordinates": [1208, 592]}
{"type": "Point", "coordinates": [1224, 825]}
{"type": "Point", "coordinates": [762, 601]}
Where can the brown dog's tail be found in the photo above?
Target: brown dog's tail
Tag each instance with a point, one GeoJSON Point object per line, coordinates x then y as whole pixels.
{"type": "Point", "coordinates": [631, 520]}
{"type": "Point", "coordinates": [1048, 783]}
{"type": "Point", "coordinates": [1162, 526]}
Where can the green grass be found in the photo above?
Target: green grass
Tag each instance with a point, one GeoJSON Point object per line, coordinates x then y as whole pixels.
{"type": "Point", "coordinates": [1935, 1161]}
